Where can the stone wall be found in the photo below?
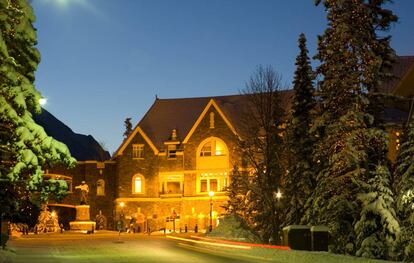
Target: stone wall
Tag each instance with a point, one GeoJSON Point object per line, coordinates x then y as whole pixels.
{"type": "Point", "coordinates": [127, 167]}
{"type": "Point", "coordinates": [91, 172]}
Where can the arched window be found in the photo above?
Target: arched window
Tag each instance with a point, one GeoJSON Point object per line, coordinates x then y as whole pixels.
{"type": "Point", "coordinates": [213, 147]}
{"type": "Point", "coordinates": [100, 187]}
{"type": "Point", "coordinates": [138, 184]}
{"type": "Point", "coordinates": [212, 164]}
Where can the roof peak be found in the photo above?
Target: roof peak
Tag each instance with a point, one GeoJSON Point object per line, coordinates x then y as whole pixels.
{"type": "Point", "coordinates": [212, 97]}
{"type": "Point", "coordinates": [203, 97]}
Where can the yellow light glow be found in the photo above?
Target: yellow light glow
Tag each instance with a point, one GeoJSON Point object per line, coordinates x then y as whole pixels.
{"type": "Point", "coordinates": [278, 195]}
{"type": "Point", "coordinates": [53, 214]}
{"type": "Point", "coordinates": [122, 204]}
{"type": "Point", "coordinates": [211, 193]}
{"type": "Point", "coordinates": [42, 101]}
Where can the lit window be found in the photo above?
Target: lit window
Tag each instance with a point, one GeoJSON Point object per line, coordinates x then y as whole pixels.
{"type": "Point", "coordinates": [100, 187]}
{"type": "Point", "coordinates": [138, 151]}
{"type": "Point", "coordinates": [203, 187]}
{"type": "Point", "coordinates": [206, 150]}
{"type": "Point", "coordinates": [211, 184]}
{"type": "Point", "coordinates": [213, 148]}
{"type": "Point", "coordinates": [137, 183]}
{"type": "Point", "coordinates": [172, 151]}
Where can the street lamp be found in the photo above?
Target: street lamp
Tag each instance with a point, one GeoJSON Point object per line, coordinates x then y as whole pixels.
{"type": "Point", "coordinates": [42, 101]}
{"type": "Point", "coordinates": [211, 194]}
{"type": "Point", "coordinates": [122, 204]}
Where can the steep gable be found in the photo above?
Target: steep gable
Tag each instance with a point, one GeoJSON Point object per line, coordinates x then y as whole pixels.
{"type": "Point", "coordinates": [184, 114]}
{"type": "Point", "coordinates": [211, 104]}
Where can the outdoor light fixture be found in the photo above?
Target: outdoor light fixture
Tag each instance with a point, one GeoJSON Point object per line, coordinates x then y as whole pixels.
{"type": "Point", "coordinates": [211, 194]}
{"type": "Point", "coordinates": [42, 101]}
{"type": "Point", "coordinates": [122, 204]}
{"type": "Point", "coordinates": [278, 195]}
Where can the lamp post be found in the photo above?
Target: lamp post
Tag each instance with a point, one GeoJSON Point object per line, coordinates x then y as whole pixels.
{"type": "Point", "coordinates": [277, 196]}
{"type": "Point", "coordinates": [122, 204]}
{"type": "Point", "coordinates": [211, 194]}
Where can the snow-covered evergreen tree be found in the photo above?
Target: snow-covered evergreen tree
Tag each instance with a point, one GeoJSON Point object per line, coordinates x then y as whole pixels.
{"type": "Point", "coordinates": [299, 179]}
{"type": "Point", "coordinates": [405, 190]}
{"type": "Point", "coordinates": [353, 60]}
{"type": "Point", "coordinates": [25, 148]}
{"type": "Point", "coordinates": [377, 227]}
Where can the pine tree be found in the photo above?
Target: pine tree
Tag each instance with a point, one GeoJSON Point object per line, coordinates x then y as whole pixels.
{"type": "Point", "coordinates": [263, 145]}
{"type": "Point", "coordinates": [405, 189]}
{"type": "Point", "coordinates": [25, 148]}
{"type": "Point", "coordinates": [299, 180]}
{"type": "Point", "coordinates": [236, 191]}
{"type": "Point", "coordinates": [128, 127]}
{"type": "Point", "coordinates": [378, 227]}
{"type": "Point", "coordinates": [353, 62]}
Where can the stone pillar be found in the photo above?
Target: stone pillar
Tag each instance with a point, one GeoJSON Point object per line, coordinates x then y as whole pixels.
{"type": "Point", "coordinates": [82, 221]}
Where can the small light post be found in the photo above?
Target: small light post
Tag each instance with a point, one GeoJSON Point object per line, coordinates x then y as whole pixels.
{"type": "Point", "coordinates": [120, 223]}
{"type": "Point", "coordinates": [278, 196]}
{"type": "Point", "coordinates": [42, 101]}
{"type": "Point", "coordinates": [122, 204]}
{"type": "Point", "coordinates": [211, 194]}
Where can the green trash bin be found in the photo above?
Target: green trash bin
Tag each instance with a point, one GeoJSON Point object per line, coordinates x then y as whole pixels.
{"type": "Point", "coordinates": [297, 237]}
{"type": "Point", "coordinates": [320, 238]}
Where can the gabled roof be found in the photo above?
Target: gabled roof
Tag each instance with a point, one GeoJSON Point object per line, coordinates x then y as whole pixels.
{"type": "Point", "coordinates": [182, 114]}
{"type": "Point", "coordinates": [402, 66]}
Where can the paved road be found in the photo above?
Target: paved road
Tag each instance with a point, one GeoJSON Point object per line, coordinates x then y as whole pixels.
{"type": "Point", "coordinates": [103, 247]}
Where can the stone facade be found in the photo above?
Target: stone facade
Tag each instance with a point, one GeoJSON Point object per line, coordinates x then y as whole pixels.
{"type": "Point", "coordinates": [162, 174]}
{"type": "Point", "coordinates": [156, 203]}
{"type": "Point", "coordinates": [175, 180]}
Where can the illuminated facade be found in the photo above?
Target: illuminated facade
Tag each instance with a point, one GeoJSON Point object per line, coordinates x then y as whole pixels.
{"type": "Point", "coordinates": [181, 150]}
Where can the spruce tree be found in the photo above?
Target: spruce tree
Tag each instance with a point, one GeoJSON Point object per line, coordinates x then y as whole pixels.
{"type": "Point", "coordinates": [299, 180]}
{"type": "Point", "coordinates": [25, 148]}
{"type": "Point", "coordinates": [353, 62]}
{"type": "Point", "coordinates": [405, 189]}
{"type": "Point", "coordinates": [128, 127]}
{"type": "Point", "coordinates": [378, 227]}
{"type": "Point", "coordinates": [236, 191]}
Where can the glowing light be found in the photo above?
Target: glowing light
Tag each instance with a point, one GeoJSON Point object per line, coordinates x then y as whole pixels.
{"type": "Point", "coordinates": [53, 214]}
{"type": "Point", "coordinates": [211, 193]}
{"type": "Point", "coordinates": [42, 101]}
{"type": "Point", "coordinates": [122, 204]}
{"type": "Point", "coordinates": [278, 195]}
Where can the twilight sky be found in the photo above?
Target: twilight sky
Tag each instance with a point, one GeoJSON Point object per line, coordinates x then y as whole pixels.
{"type": "Point", "coordinates": [105, 60]}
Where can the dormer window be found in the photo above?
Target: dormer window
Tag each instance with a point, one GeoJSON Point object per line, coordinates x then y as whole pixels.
{"type": "Point", "coordinates": [138, 151]}
{"type": "Point", "coordinates": [172, 151]}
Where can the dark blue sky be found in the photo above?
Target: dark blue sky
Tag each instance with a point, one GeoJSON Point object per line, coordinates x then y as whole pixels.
{"type": "Point", "coordinates": [105, 60]}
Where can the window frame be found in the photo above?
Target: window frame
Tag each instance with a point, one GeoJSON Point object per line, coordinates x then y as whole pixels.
{"type": "Point", "coordinates": [133, 186]}
{"type": "Point", "coordinates": [102, 187]}
{"type": "Point", "coordinates": [138, 151]}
